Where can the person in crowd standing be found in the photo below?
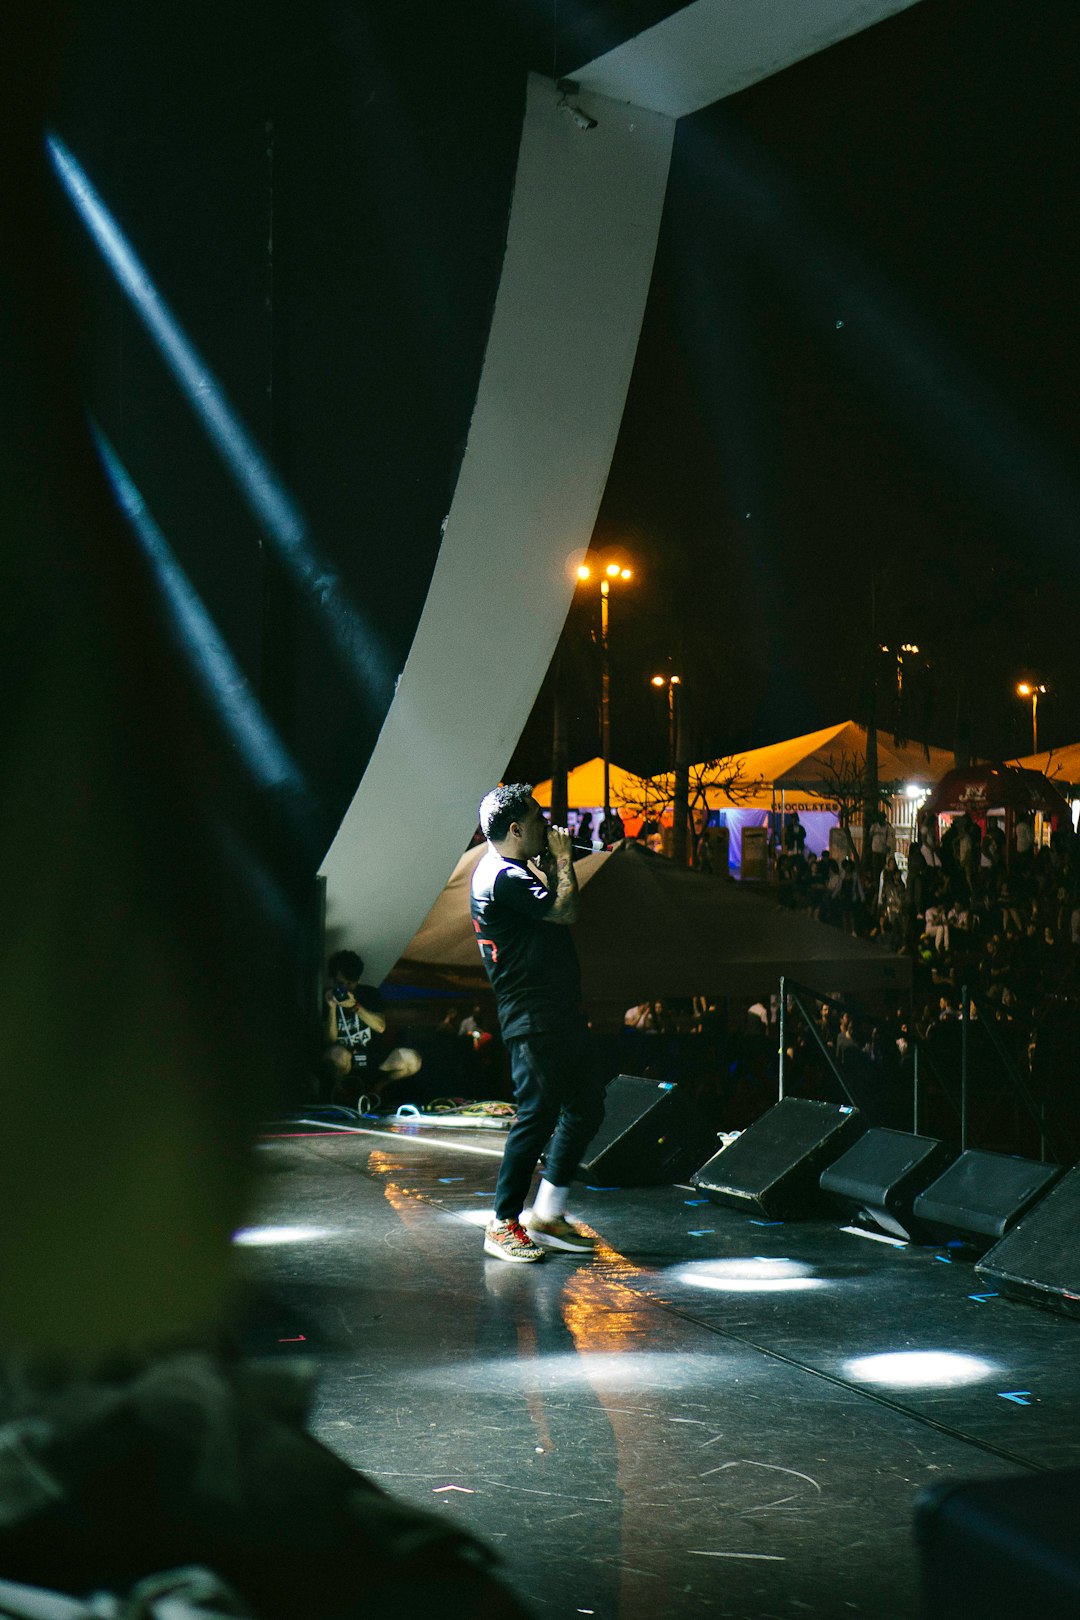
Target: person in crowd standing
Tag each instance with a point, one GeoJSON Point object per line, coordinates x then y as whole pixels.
{"type": "Point", "coordinates": [967, 850]}
{"type": "Point", "coordinates": [928, 847]}
{"type": "Point", "coordinates": [989, 855]}
{"type": "Point", "coordinates": [849, 896]}
{"type": "Point", "coordinates": [523, 897]}
{"type": "Point", "coordinates": [815, 886]}
{"type": "Point", "coordinates": [882, 843]}
{"type": "Point", "coordinates": [890, 904]}
{"type": "Point", "coordinates": [917, 881]}
{"type": "Point", "coordinates": [611, 828]}
{"type": "Point", "coordinates": [1024, 843]}
{"type": "Point", "coordinates": [846, 1041]}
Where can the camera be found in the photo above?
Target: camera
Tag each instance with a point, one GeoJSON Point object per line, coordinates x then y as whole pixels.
{"type": "Point", "coordinates": [341, 992]}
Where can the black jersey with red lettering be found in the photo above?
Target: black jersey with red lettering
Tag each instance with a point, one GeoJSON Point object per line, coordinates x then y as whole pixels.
{"type": "Point", "coordinates": [532, 963]}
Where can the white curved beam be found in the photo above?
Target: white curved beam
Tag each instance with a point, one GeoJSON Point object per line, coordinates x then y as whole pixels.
{"type": "Point", "coordinates": [713, 48]}
{"type": "Point", "coordinates": [582, 236]}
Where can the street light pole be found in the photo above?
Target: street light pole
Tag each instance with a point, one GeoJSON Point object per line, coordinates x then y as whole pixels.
{"type": "Point", "coordinates": [1032, 689]}
{"type": "Point", "coordinates": [605, 698]}
{"type": "Point", "coordinates": [671, 682]}
{"type": "Point", "coordinates": [612, 571]}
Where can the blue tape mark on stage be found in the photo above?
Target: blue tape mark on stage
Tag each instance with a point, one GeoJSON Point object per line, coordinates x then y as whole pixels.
{"type": "Point", "coordinates": [766, 1223]}
{"type": "Point", "coordinates": [946, 1259]}
{"type": "Point", "coordinates": [603, 1189]}
{"type": "Point", "coordinates": [982, 1297]}
{"type": "Point", "coordinates": [1016, 1395]}
{"type": "Point", "coordinates": [704, 1232]}
{"type": "Point", "coordinates": [446, 1180]}
{"type": "Point", "coordinates": [693, 1201]}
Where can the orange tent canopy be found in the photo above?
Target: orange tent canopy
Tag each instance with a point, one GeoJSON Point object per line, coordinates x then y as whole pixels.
{"type": "Point", "coordinates": [803, 768]}
{"type": "Point", "coordinates": [1060, 765]}
{"type": "Point", "coordinates": [585, 789]}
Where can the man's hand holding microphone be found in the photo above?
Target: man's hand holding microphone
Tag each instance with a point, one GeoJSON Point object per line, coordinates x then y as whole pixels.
{"type": "Point", "coordinates": [557, 865]}
{"type": "Point", "coordinates": [560, 844]}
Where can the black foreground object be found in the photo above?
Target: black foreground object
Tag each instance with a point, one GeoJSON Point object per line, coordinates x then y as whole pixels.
{"type": "Point", "coordinates": [1000, 1548]}
{"type": "Point", "coordinates": [1039, 1260]}
{"type": "Point", "coordinates": [775, 1166]}
{"type": "Point", "coordinates": [193, 1461]}
{"type": "Point", "coordinates": [980, 1196]}
{"type": "Point", "coordinates": [652, 1135]}
{"type": "Point", "coordinates": [881, 1176]}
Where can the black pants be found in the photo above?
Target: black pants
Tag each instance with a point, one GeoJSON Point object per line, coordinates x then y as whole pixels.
{"type": "Point", "coordinates": [557, 1089]}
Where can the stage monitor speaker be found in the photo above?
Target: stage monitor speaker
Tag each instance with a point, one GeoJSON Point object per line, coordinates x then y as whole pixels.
{"type": "Point", "coordinates": [652, 1135]}
{"type": "Point", "coordinates": [1000, 1548]}
{"type": "Point", "coordinates": [1039, 1260]}
{"type": "Point", "coordinates": [775, 1166]}
{"type": "Point", "coordinates": [882, 1174]}
{"type": "Point", "coordinates": [982, 1195]}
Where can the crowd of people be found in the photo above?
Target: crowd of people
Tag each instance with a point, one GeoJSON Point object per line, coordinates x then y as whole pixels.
{"type": "Point", "coordinates": [999, 921]}
{"type": "Point", "coordinates": [1010, 918]}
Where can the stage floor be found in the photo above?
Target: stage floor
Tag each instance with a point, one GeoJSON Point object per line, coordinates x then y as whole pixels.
{"type": "Point", "coordinates": [689, 1424]}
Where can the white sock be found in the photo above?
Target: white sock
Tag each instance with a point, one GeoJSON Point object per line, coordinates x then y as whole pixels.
{"type": "Point", "coordinates": [550, 1202]}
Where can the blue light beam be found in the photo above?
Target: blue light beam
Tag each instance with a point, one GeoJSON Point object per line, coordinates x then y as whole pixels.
{"type": "Point", "coordinates": [215, 667]}
{"type": "Point", "coordinates": [267, 499]}
{"type": "Point", "coordinates": [942, 398]}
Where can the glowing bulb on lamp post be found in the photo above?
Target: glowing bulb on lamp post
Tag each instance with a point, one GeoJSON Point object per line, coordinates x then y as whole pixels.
{"type": "Point", "coordinates": [611, 571]}
{"type": "Point", "coordinates": [1033, 690]}
{"type": "Point", "coordinates": [671, 682]}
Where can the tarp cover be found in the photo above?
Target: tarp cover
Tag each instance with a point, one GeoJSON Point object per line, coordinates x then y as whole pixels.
{"type": "Point", "coordinates": [649, 930]}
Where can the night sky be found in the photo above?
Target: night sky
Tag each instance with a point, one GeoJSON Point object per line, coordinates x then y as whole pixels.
{"type": "Point", "coordinates": [853, 418]}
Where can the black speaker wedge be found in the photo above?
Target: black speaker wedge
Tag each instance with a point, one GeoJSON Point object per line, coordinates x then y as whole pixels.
{"type": "Point", "coordinates": [982, 1195]}
{"type": "Point", "coordinates": [1039, 1260]}
{"type": "Point", "coordinates": [775, 1166]}
{"type": "Point", "coordinates": [881, 1175]}
{"type": "Point", "coordinates": [652, 1135]}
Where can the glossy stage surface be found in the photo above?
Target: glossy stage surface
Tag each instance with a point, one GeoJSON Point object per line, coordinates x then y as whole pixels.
{"type": "Point", "coordinates": [715, 1416]}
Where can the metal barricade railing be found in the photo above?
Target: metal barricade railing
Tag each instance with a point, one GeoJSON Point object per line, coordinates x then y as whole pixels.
{"type": "Point", "coordinates": [921, 1060]}
{"type": "Point", "coordinates": [925, 1066]}
{"type": "Point", "coordinates": [796, 991]}
{"type": "Point", "coordinates": [1021, 1091]}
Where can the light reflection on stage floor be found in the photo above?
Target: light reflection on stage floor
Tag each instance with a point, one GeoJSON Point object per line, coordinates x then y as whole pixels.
{"type": "Point", "coordinates": [699, 1421]}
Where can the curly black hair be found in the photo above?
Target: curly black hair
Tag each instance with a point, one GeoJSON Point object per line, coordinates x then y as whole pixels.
{"type": "Point", "coordinates": [345, 965]}
{"type": "Point", "coordinates": [503, 806]}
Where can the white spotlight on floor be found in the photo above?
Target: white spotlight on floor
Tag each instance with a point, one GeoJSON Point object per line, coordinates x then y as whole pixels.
{"type": "Point", "coordinates": [919, 1369]}
{"type": "Point", "coordinates": [256, 1237]}
{"type": "Point", "coordinates": [755, 1274]}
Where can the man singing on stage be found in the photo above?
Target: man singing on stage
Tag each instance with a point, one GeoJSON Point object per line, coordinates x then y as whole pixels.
{"type": "Point", "coordinates": [524, 894]}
